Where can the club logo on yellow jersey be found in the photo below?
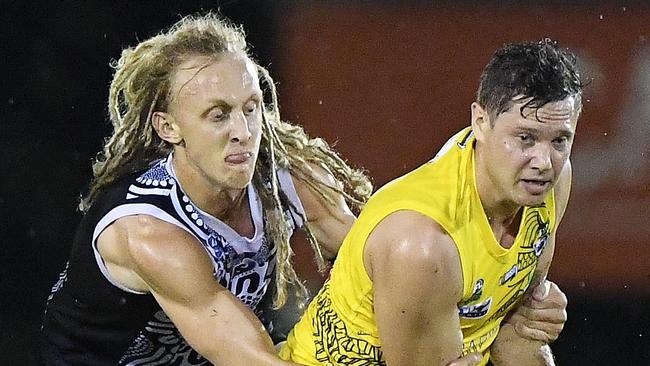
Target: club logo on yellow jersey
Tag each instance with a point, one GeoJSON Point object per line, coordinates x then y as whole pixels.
{"type": "Point", "coordinates": [512, 273]}
{"type": "Point", "coordinates": [540, 243]}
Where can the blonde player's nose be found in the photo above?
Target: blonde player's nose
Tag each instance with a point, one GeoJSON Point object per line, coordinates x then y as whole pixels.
{"type": "Point", "coordinates": [239, 129]}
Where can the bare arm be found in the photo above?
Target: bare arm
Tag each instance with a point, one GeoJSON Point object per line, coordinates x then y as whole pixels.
{"type": "Point", "coordinates": [524, 337]}
{"type": "Point", "coordinates": [148, 254]}
{"type": "Point", "coordinates": [417, 283]}
{"type": "Point", "coordinates": [329, 221]}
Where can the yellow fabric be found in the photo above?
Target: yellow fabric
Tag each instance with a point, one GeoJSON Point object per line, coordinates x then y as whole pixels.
{"type": "Point", "coordinates": [339, 327]}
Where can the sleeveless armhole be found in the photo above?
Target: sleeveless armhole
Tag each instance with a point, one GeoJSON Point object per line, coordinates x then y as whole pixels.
{"type": "Point", "coordinates": [123, 211]}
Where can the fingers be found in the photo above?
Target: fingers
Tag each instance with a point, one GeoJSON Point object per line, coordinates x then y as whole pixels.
{"type": "Point", "coordinates": [539, 331]}
{"type": "Point", "coordinates": [542, 316]}
{"type": "Point", "coordinates": [472, 359]}
{"type": "Point", "coordinates": [549, 303]}
{"type": "Point", "coordinates": [551, 315]}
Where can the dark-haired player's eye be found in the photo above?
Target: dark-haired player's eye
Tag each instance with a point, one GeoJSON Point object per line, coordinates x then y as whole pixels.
{"type": "Point", "coordinates": [560, 143]}
{"type": "Point", "coordinates": [526, 138]}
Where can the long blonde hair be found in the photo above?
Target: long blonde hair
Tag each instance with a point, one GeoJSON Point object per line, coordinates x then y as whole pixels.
{"type": "Point", "coordinates": [141, 85]}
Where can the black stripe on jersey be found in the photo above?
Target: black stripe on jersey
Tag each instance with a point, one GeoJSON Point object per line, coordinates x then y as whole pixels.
{"type": "Point", "coordinates": [463, 143]}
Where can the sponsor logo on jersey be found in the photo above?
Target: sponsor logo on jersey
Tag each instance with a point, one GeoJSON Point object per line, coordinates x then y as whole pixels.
{"type": "Point", "coordinates": [475, 311]}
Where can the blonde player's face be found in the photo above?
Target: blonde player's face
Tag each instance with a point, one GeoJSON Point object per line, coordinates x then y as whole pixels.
{"type": "Point", "coordinates": [217, 106]}
{"type": "Point", "coordinates": [526, 154]}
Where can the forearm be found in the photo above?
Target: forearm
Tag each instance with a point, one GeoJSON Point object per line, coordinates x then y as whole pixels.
{"type": "Point", "coordinates": [420, 352]}
{"type": "Point", "coordinates": [509, 349]}
{"type": "Point", "coordinates": [225, 332]}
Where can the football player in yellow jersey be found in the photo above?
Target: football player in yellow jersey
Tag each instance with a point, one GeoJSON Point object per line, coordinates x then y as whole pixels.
{"type": "Point", "coordinates": [443, 260]}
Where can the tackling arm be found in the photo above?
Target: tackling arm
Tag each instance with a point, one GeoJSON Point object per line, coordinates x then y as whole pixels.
{"type": "Point", "coordinates": [150, 254]}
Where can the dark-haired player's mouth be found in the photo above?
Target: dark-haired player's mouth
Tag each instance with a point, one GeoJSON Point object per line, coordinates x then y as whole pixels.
{"type": "Point", "coordinates": [535, 186]}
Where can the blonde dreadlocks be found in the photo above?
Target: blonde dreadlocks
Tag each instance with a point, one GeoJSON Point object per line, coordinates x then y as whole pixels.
{"type": "Point", "coordinates": [141, 85]}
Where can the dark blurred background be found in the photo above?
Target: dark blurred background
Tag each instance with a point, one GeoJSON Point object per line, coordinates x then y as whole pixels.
{"type": "Point", "coordinates": [387, 82]}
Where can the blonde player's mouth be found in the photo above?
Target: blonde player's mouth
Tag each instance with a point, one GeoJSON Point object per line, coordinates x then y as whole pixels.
{"type": "Point", "coordinates": [239, 158]}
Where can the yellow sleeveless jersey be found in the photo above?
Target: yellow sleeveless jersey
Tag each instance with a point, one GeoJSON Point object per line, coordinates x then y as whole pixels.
{"type": "Point", "coordinates": [339, 326]}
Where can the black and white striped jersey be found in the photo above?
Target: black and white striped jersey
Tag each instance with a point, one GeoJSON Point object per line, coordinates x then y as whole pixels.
{"type": "Point", "coordinates": [91, 319]}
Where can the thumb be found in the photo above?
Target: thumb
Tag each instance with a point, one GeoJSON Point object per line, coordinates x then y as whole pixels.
{"type": "Point", "coordinates": [541, 291]}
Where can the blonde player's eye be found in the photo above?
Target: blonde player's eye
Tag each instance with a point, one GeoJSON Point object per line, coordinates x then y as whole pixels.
{"type": "Point", "coordinates": [251, 106]}
{"type": "Point", "coordinates": [217, 114]}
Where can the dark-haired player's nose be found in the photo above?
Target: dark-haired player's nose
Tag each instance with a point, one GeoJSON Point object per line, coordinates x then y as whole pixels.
{"type": "Point", "coordinates": [239, 129]}
{"type": "Point", "coordinates": [540, 157]}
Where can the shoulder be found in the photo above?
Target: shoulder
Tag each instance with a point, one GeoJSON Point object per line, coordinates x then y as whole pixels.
{"type": "Point", "coordinates": [109, 196]}
{"type": "Point", "coordinates": [407, 232]}
{"type": "Point", "coordinates": [150, 247]}
{"type": "Point", "coordinates": [307, 187]}
{"type": "Point", "coordinates": [156, 241]}
{"type": "Point", "coordinates": [315, 174]}
{"type": "Point", "coordinates": [414, 243]}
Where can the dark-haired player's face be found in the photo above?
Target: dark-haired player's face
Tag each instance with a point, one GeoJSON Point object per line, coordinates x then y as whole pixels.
{"type": "Point", "coordinates": [217, 106]}
{"type": "Point", "coordinates": [524, 155]}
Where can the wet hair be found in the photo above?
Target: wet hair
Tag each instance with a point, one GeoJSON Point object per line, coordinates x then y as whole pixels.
{"type": "Point", "coordinates": [142, 85]}
{"type": "Point", "coordinates": [539, 71]}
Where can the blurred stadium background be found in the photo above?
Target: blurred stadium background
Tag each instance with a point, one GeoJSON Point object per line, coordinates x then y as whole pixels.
{"type": "Point", "coordinates": [387, 82]}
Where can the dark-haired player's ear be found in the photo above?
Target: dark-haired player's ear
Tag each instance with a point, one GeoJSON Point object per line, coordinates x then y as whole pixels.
{"type": "Point", "coordinates": [166, 127]}
{"type": "Point", "coordinates": [480, 120]}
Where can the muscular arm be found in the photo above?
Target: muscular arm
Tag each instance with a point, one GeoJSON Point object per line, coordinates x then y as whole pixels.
{"type": "Point", "coordinates": [329, 221]}
{"type": "Point", "coordinates": [148, 254]}
{"type": "Point", "coordinates": [417, 283]}
{"type": "Point", "coordinates": [511, 347]}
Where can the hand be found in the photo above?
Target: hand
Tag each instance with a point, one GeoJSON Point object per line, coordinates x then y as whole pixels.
{"type": "Point", "coordinates": [542, 315]}
{"type": "Point", "coordinates": [468, 360]}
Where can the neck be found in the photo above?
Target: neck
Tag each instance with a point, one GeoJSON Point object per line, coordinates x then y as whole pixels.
{"type": "Point", "coordinates": [502, 216]}
{"type": "Point", "coordinates": [500, 212]}
{"type": "Point", "coordinates": [216, 200]}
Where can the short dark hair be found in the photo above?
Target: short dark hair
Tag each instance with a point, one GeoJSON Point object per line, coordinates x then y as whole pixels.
{"type": "Point", "coordinates": [538, 70]}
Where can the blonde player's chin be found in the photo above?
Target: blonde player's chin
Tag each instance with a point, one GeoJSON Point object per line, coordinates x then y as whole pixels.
{"type": "Point", "coordinates": [240, 180]}
{"type": "Point", "coordinates": [243, 169]}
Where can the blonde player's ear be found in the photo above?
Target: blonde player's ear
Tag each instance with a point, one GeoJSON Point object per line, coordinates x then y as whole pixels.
{"type": "Point", "coordinates": [480, 120]}
{"type": "Point", "coordinates": [166, 127]}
